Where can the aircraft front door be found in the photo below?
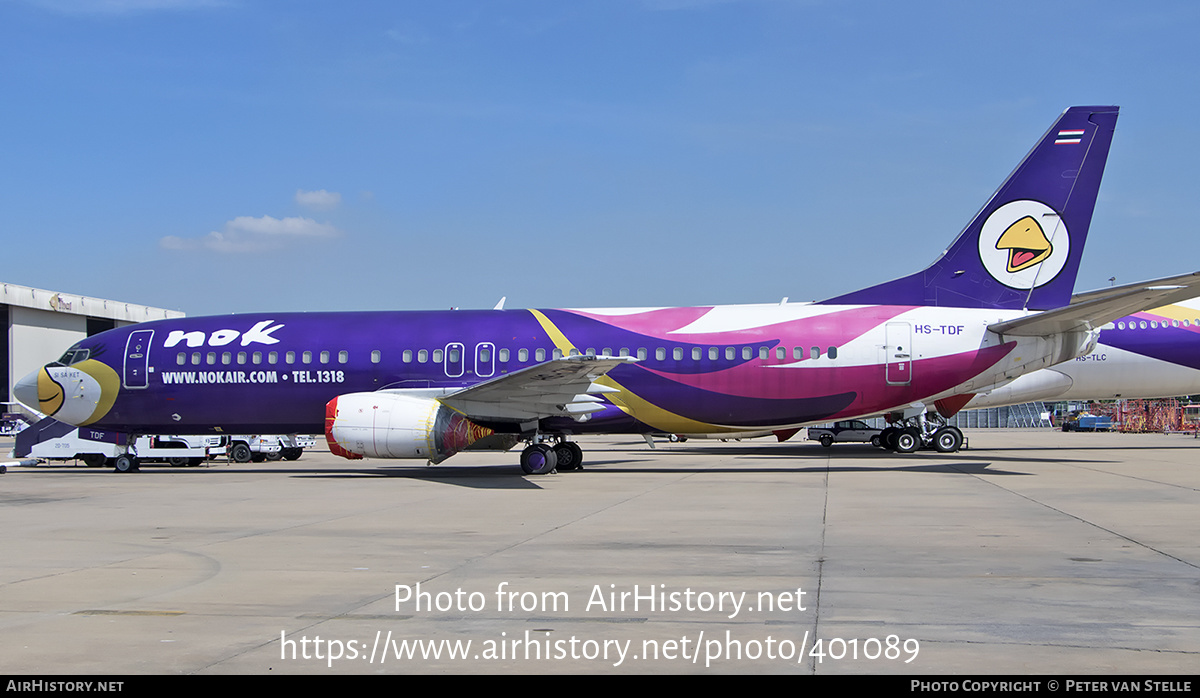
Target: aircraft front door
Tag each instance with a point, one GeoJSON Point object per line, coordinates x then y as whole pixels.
{"type": "Point", "coordinates": [137, 359]}
{"type": "Point", "coordinates": [898, 353]}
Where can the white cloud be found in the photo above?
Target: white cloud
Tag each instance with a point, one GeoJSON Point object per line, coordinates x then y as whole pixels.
{"type": "Point", "coordinates": [248, 234]}
{"type": "Point", "coordinates": [320, 200]}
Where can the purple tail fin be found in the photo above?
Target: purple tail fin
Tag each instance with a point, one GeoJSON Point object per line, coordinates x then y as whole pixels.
{"type": "Point", "coordinates": [1023, 248]}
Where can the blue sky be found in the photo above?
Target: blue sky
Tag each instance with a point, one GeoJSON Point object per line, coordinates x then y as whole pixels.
{"type": "Point", "coordinates": [219, 156]}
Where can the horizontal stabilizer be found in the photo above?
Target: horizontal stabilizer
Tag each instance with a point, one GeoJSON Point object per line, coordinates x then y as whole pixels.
{"type": "Point", "coordinates": [559, 387]}
{"type": "Point", "coordinates": [1092, 310]}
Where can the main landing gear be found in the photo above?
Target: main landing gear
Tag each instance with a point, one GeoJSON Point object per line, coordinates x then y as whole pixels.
{"type": "Point", "coordinates": [927, 430]}
{"type": "Point", "coordinates": [540, 458]}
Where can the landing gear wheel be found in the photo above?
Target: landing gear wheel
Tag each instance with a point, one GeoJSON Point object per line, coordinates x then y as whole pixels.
{"type": "Point", "coordinates": [569, 455]}
{"type": "Point", "coordinates": [826, 440]}
{"type": "Point", "coordinates": [240, 453]}
{"type": "Point", "coordinates": [538, 459]}
{"type": "Point", "coordinates": [125, 463]}
{"type": "Point", "coordinates": [947, 440]}
{"type": "Point", "coordinates": [907, 441]}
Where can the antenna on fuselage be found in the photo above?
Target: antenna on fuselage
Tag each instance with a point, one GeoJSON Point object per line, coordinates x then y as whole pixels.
{"type": "Point", "coordinates": [500, 305]}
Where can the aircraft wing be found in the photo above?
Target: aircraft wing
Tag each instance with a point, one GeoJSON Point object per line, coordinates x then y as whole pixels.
{"type": "Point", "coordinates": [1094, 309]}
{"type": "Point", "coordinates": [564, 387]}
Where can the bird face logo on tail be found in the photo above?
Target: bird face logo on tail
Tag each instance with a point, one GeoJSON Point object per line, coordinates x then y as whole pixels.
{"type": "Point", "coordinates": [1024, 244]}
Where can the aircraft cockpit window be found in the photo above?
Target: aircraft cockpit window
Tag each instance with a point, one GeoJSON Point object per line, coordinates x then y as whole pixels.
{"type": "Point", "coordinates": [74, 355]}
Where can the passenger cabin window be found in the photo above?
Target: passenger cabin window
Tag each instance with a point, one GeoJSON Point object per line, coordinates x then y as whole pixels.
{"type": "Point", "coordinates": [306, 357]}
{"type": "Point", "coordinates": [522, 355]}
{"type": "Point", "coordinates": [343, 356]}
{"type": "Point", "coordinates": [816, 352]}
{"type": "Point", "coordinates": [289, 358]}
{"type": "Point", "coordinates": [181, 358]}
{"type": "Point", "coordinates": [833, 352]}
{"type": "Point", "coordinates": [376, 356]}
{"type": "Point", "coordinates": [422, 356]}
{"type": "Point", "coordinates": [273, 357]}
{"type": "Point", "coordinates": [438, 356]}
{"type": "Point", "coordinates": [256, 357]}
{"type": "Point", "coordinates": [539, 355]}
{"type": "Point", "coordinates": [324, 357]}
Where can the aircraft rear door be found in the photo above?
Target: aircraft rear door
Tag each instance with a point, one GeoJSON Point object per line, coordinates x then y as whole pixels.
{"type": "Point", "coordinates": [137, 359]}
{"type": "Point", "coordinates": [898, 352]}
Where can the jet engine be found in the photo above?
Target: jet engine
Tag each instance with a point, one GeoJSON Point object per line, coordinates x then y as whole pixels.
{"type": "Point", "coordinates": [393, 425]}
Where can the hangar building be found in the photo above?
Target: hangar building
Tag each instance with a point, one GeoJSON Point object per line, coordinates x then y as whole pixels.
{"type": "Point", "coordinates": [40, 325]}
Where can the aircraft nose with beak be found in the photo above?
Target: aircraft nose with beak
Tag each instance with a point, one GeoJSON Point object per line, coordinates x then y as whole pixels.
{"type": "Point", "coordinates": [78, 394]}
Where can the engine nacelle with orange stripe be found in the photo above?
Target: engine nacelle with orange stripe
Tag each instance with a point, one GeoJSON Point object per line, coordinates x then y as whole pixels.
{"type": "Point", "coordinates": [392, 425]}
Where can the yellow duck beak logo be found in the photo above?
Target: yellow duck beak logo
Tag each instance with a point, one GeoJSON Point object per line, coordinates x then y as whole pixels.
{"type": "Point", "coordinates": [1026, 243]}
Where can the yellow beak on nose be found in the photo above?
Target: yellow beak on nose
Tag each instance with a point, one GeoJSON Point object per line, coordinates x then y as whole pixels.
{"type": "Point", "coordinates": [50, 394]}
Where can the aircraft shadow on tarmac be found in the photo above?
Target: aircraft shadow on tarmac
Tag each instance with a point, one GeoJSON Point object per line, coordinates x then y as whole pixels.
{"type": "Point", "coordinates": [791, 458]}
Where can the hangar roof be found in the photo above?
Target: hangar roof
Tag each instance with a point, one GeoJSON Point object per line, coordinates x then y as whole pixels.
{"type": "Point", "coordinates": [74, 304]}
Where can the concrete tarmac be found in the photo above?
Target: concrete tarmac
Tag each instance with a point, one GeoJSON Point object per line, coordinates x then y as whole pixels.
{"type": "Point", "coordinates": [1034, 552]}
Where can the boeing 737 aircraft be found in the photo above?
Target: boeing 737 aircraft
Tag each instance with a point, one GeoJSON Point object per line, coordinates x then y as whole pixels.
{"type": "Point", "coordinates": [426, 385]}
